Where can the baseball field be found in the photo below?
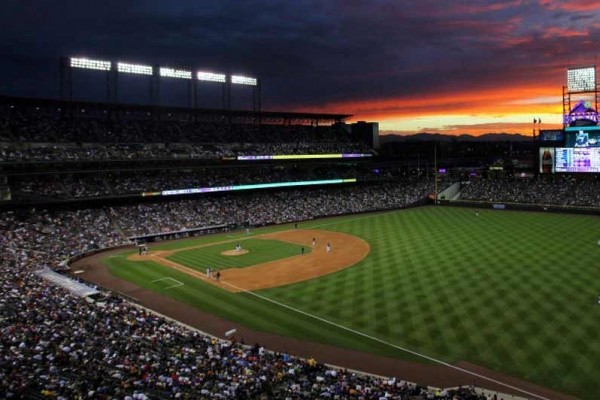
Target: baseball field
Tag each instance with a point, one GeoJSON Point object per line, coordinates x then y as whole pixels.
{"type": "Point", "coordinates": [514, 292]}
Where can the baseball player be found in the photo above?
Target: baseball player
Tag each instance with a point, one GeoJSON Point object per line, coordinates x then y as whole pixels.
{"type": "Point", "coordinates": [328, 247]}
{"type": "Point", "coordinates": [314, 242]}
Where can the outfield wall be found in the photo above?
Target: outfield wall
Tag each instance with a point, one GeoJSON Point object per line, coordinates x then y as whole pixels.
{"type": "Point", "coordinates": [207, 230]}
{"type": "Point", "coordinates": [522, 206]}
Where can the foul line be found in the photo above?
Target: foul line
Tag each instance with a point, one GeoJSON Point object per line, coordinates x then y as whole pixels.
{"type": "Point", "coordinates": [169, 287]}
{"type": "Point", "coordinates": [175, 285]}
{"type": "Point", "coordinates": [435, 360]}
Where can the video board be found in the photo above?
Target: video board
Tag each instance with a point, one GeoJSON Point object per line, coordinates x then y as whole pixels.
{"type": "Point", "coordinates": [577, 159]}
{"type": "Point", "coordinates": [584, 136]}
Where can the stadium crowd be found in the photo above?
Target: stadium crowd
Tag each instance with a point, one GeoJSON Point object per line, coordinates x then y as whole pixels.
{"type": "Point", "coordinates": [47, 133]}
{"type": "Point", "coordinates": [26, 131]}
{"type": "Point", "coordinates": [563, 190]}
{"type": "Point", "coordinates": [95, 125]}
{"type": "Point", "coordinates": [261, 208]}
{"type": "Point", "coordinates": [54, 344]}
{"type": "Point", "coordinates": [11, 152]}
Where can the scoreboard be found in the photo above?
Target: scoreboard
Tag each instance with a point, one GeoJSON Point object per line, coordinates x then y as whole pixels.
{"type": "Point", "coordinates": [575, 159]}
{"type": "Point", "coordinates": [576, 148]}
{"type": "Point", "coordinates": [569, 159]}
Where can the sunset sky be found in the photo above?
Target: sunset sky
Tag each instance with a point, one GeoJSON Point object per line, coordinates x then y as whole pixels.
{"type": "Point", "coordinates": [413, 66]}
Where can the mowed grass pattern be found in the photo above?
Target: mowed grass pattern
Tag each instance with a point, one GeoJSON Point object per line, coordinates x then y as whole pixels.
{"type": "Point", "coordinates": [260, 251]}
{"type": "Point", "coordinates": [242, 307]}
{"type": "Point", "coordinates": [516, 292]}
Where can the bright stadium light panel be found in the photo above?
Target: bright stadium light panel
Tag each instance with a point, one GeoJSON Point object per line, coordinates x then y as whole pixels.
{"type": "Point", "coordinates": [175, 73]}
{"type": "Point", "coordinates": [210, 77]}
{"type": "Point", "coordinates": [243, 80]}
{"type": "Point", "coordinates": [134, 69]}
{"type": "Point", "coordinates": [86, 63]}
{"type": "Point", "coordinates": [581, 79]}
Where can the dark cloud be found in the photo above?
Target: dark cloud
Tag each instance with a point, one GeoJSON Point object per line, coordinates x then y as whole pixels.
{"type": "Point", "coordinates": [307, 52]}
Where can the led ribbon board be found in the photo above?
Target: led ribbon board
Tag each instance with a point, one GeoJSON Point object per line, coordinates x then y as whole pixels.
{"type": "Point", "coordinates": [247, 187]}
{"type": "Point", "coordinates": [300, 156]}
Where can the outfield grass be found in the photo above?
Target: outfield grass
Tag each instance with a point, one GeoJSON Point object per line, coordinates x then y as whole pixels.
{"type": "Point", "coordinates": [260, 251]}
{"type": "Point", "coordinates": [513, 291]}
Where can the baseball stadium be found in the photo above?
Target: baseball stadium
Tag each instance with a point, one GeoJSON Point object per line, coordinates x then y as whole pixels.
{"type": "Point", "coordinates": [181, 252]}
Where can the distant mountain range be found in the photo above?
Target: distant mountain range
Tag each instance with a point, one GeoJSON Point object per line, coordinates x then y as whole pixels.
{"type": "Point", "coordinates": [430, 137]}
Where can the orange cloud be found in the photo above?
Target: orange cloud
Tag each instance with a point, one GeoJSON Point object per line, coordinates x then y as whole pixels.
{"type": "Point", "coordinates": [523, 128]}
{"type": "Point", "coordinates": [491, 101]}
{"type": "Point", "coordinates": [519, 105]}
{"type": "Point", "coordinates": [557, 31]}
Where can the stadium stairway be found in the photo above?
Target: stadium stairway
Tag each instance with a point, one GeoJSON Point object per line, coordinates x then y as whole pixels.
{"type": "Point", "coordinates": [115, 226]}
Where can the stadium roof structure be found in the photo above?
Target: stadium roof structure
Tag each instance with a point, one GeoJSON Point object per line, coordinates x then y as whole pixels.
{"type": "Point", "coordinates": [71, 108]}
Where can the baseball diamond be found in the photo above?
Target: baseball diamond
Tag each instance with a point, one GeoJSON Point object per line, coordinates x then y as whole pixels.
{"type": "Point", "coordinates": [422, 274]}
{"type": "Point", "coordinates": [297, 268]}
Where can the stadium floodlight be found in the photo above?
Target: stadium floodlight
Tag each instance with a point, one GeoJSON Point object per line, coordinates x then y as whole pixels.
{"type": "Point", "coordinates": [210, 77]}
{"type": "Point", "coordinates": [134, 68]}
{"type": "Point", "coordinates": [175, 73]}
{"type": "Point", "coordinates": [243, 80]}
{"type": "Point", "coordinates": [581, 79]}
{"type": "Point", "coordinates": [86, 63]}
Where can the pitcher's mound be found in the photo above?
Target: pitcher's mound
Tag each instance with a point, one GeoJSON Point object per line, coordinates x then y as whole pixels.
{"type": "Point", "coordinates": [234, 252]}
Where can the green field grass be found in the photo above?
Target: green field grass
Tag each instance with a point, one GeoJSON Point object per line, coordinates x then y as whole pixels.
{"type": "Point", "coordinates": [513, 291]}
{"type": "Point", "coordinates": [260, 251]}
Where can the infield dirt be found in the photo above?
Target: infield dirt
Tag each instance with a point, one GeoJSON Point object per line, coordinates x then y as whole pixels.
{"type": "Point", "coordinates": [345, 251]}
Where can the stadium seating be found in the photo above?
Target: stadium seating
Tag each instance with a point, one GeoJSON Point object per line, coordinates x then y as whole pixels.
{"type": "Point", "coordinates": [57, 345]}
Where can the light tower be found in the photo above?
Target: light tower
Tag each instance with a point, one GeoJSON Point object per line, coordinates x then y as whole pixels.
{"type": "Point", "coordinates": [155, 73]}
{"type": "Point", "coordinates": [581, 82]}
